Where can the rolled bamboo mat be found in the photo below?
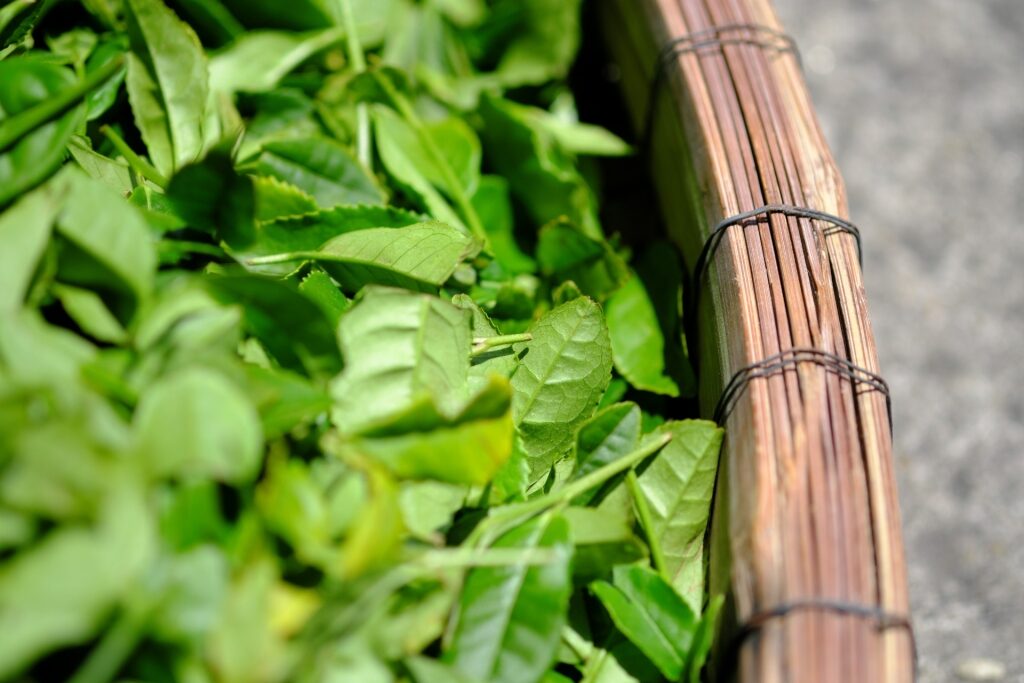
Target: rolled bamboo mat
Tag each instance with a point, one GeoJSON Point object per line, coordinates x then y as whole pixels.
{"type": "Point", "coordinates": [805, 538]}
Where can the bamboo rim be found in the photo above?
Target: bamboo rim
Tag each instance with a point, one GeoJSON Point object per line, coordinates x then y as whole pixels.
{"type": "Point", "coordinates": [806, 511]}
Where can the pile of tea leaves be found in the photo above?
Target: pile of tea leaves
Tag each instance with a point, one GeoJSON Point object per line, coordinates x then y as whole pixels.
{"type": "Point", "coordinates": [316, 363]}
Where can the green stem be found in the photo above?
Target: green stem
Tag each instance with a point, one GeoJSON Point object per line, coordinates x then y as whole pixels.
{"type": "Point", "coordinates": [282, 258]}
{"type": "Point", "coordinates": [502, 519]}
{"type": "Point", "coordinates": [117, 643]}
{"type": "Point", "coordinates": [21, 124]}
{"type": "Point", "coordinates": [454, 187]}
{"type": "Point", "coordinates": [482, 345]}
{"type": "Point", "coordinates": [643, 511]}
{"type": "Point", "coordinates": [138, 164]}
{"type": "Point", "coordinates": [358, 61]}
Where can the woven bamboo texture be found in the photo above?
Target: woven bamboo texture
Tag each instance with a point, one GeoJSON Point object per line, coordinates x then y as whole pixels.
{"type": "Point", "coordinates": [805, 510]}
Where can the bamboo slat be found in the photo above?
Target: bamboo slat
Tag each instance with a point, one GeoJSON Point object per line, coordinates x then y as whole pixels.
{"type": "Point", "coordinates": [806, 506]}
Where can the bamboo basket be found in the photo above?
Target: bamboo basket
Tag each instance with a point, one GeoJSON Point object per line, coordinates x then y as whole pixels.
{"type": "Point", "coordinates": [805, 537]}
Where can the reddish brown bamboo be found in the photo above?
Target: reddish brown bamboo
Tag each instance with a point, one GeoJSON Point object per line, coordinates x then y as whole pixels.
{"type": "Point", "coordinates": [806, 506]}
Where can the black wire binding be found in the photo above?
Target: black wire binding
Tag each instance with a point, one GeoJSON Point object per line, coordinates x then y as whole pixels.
{"type": "Point", "coordinates": [696, 41]}
{"type": "Point", "coordinates": [714, 240]}
{"type": "Point", "coordinates": [790, 357]}
{"type": "Point", "coordinates": [884, 620]}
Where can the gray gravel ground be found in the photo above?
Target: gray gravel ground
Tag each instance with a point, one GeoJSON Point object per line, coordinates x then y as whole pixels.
{"type": "Point", "coordinates": [923, 104]}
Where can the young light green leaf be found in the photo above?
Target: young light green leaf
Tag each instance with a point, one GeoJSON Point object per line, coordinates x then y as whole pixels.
{"type": "Point", "coordinates": [167, 84]}
{"type": "Point", "coordinates": [429, 505]}
{"type": "Point", "coordinates": [651, 614]}
{"type": "Point", "coordinates": [560, 379]}
{"type": "Point", "coordinates": [604, 438]}
{"type": "Point", "coordinates": [509, 619]}
{"type": "Point", "coordinates": [88, 311]}
{"type": "Point", "coordinates": [403, 158]}
{"type": "Point", "coordinates": [421, 442]}
{"type": "Point", "coordinates": [257, 61]}
{"type": "Point", "coordinates": [638, 347]}
{"type": "Point", "coordinates": [114, 174]}
{"type": "Point", "coordinates": [24, 234]}
{"type": "Point", "coordinates": [419, 257]}
{"type": "Point", "coordinates": [399, 346]}
{"type": "Point", "coordinates": [320, 167]}
{"type": "Point", "coordinates": [678, 485]}
{"type": "Point", "coordinates": [196, 423]}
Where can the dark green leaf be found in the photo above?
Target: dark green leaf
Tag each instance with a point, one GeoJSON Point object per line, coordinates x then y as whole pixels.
{"type": "Point", "coordinates": [604, 438]}
{"type": "Point", "coordinates": [321, 168]}
{"type": "Point", "coordinates": [24, 83]}
{"type": "Point", "coordinates": [638, 347]}
{"type": "Point", "coordinates": [494, 207]}
{"type": "Point", "coordinates": [565, 252]}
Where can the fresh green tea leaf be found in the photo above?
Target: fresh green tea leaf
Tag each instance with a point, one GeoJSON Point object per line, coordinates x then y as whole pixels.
{"type": "Point", "coordinates": [167, 84]}
{"type": "Point", "coordinates": [399, 346]}
{"type": "Point", "coordinates": [561, 378]}
{"type": "Point", "coordinates": [26, 82]}
{"type": "Point", "coordinates": [257, 61]}
{"type": "Point", "coordinates": [321, 168]}
{"type": "Point", "coordinates": [607, 436]}
{"type": "Point", "coordinates": [565, 252]}
{"type": "Point", "coordinates": [678, 487]}
{"type": "Point", "coordinates": [638, 347]}
{"type": "Point", "coordinates": [509, 619]}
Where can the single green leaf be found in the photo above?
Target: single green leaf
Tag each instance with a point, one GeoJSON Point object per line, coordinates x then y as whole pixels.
{"type": "Point", "coordinates": [583, 138]}
{"type": "Point", "coordinates": [430, 505]}
{"type": "Point", "coordinates": [196, 423]}
{"type": "Point", "coordinates": [293, 329]}
{"type": "Point", "coordinates": [257, 61]}
{"type": "Point", "coordinates": [560, 379]}
{"type": "Point", "coordinates": [193, 588]}
{"type": "Point", "coordinates": [319, 288]}
{"type": "Point", "coordinates": [168, 84]}
{"type": "Point", "coordinates": [603, 539]}
{"type": "Point", "coordinates": [310, 231]}
{"type": "Point", "coordinates": [377, 531]}
{"type": "Point", "coordinates": [276, 199]}
{"type": "Point", "coordinates": [419, 257]}
{"type": "Point", "coordinates": [704, 639]}
{"type": "Point", "coordinates": [660, 270]}
{"type": "Point", "coordinates": [26, 82]}
{"type": "Point", "coordinates": [398, 346]}
{"type": "Point", "coordinates": [284, 400]}
{"type": "Point", "coordinates": [404, 159]}
{"type": "Point", "coordinates": [494, 206]}
{"type": "Point", "coordinates": [638, 347]}
{"type": "Point", "coordinates": [320, 167]}
{"type": "Point", "coordinates": [211, 196]}
{"type": "Point", "coordinates": [544, 44]}
{"type": "Point", "coordinates": [103, 98]}
{"type": "Point", "coordinates": [115, 174]}
{"type": "Point", "coordinates": [58, 592]}
{"type": "Point", "coordinates": [89, 313]}
{"type": "Point", "coordinates": [509, 619]}
{"type": "Point", "coordinates": [540, 173]}
{"type": "Point", "coordinates": [565, 252]}
{"type": "Point", "coordinates": [24, 233]}
{"type": "Point", "coordinates": [678, 485]}
{"type": "Point", "coordinates": [607, 436]}
{"type": "Point", "coordinates": [108, 245]}
{"type": "Point", "coordinates": [651, 614]}
{"type": "Point", "coordinates": [421, 442]}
